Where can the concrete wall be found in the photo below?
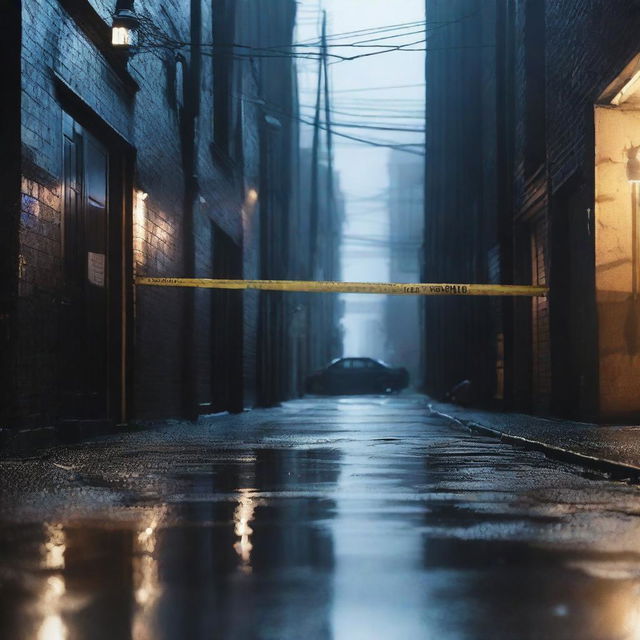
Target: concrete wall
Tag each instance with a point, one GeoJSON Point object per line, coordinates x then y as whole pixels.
{"type": "Point", "coordinates": [617, 268]}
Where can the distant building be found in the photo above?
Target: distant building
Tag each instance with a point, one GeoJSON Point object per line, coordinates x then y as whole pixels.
{"type": "Point", "coordinates": [406, 221]}
{"type": "Point", "coordinates": [166, 163]}
{"type": "Point", "coordinates": [531, 179]}
{"type": "Point", "coordinates": [365, 324]}
{"type": "Point", "coordinates": [321, 337]}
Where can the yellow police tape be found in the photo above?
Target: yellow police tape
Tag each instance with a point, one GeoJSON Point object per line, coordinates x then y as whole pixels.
{"type": "Point", "coordinates": [419, 289]}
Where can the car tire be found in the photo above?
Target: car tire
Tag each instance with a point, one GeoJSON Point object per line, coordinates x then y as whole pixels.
{"type": "Point", "coordinates": [384, 387]}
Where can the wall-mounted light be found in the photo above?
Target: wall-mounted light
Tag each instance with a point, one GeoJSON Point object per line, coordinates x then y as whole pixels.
{"type": "Point", "coordinates": [633, 165]}
{"type": "Point", "coordinates": [252, 196]}
{"type": "Point", "coordinates": [124, 25]}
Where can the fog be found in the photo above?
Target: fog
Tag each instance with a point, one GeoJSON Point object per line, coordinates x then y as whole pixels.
{"type": "Point", "coordinates": [381, 90]}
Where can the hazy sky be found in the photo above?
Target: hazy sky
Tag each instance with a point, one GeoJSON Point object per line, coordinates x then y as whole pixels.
{"type": "Point", "coordinates": [356, 98]}
{"type": "Point", "coordinates": [363, 168]}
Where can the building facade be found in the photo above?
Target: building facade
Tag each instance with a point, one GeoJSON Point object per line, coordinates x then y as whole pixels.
{"type": "Point", "coordinates": [461, 193]}
{"type": "Point", "coordinates": [159, 161]}
{"type": "Point", "coordinates": [319, 315]}
{"type": "Point", "coordinates": [550, 149]}
{"type": "Point", "coordinates": [404, 314]}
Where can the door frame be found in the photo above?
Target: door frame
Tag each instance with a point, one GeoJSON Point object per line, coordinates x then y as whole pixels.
{"type": "Point", "coordinates": [120, 301]}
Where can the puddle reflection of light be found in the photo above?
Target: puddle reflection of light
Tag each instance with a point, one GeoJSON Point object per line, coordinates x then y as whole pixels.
{"type": "Point", "coordinates": [50, 600]}
{"type": "Point", "coordinates": [146, 581]}
{"type": "Point", "coordinates": [54, 547]}
{"type": "Point", "coordinates": [242, 517]}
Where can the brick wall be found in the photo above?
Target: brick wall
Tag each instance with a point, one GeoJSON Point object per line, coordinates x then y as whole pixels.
{"type": "Point", "coordinates": [588, 44]}
{"type": "Point", "coordinates": [59, 54]}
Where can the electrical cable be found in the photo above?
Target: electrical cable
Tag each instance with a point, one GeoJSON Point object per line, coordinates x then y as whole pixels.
{"type": "Point", "coordinates": [374, 143]}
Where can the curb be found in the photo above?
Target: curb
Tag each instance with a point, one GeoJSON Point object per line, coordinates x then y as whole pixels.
{"type": "Point", "coordinates": [21, 442]}
{"type": "Point", "coordinates": [612, 468]}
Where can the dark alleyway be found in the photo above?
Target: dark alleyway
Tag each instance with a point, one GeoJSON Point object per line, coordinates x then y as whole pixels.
{"type": "Point", "coordinates": [327, 518]}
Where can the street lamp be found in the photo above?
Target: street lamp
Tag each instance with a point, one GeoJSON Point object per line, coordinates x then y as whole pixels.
{"type": "Point", "coordinates": [252, 196]}
{"type": "Point", "coordinates": [124, 25]}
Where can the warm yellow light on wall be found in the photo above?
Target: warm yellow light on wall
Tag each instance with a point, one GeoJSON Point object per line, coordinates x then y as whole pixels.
{"type": "Point", "coordinates": [139, 226]}
{"type": "Point", "coordinates": [252, 196]}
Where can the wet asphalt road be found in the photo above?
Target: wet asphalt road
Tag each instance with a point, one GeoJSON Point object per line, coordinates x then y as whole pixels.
{"type": "Point", "coordinates": [341, 518]}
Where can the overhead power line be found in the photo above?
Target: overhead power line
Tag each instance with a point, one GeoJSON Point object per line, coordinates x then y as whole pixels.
{"type": "Point", "coordinates": [405, 147]}
{"type": "Point", "coordinates": [355, 125]}
{"type": "Point", "coordinates": [379, 88]}
{"type": "Point", "coordinates": [152, 37]}
{"type": "Point", "coordinates": [360, 32]}
{"type": "Point", "coordinates": [375, 117]}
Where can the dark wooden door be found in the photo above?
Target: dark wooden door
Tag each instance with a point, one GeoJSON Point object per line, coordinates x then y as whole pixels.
{"type": "Point", "coordinates": [227, 327]}
{"type": "Point", "coordinates": [84, 377]}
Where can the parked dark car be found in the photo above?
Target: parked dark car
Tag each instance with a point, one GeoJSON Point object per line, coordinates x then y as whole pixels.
{"type": "Point", "coordinates": [357, 375]}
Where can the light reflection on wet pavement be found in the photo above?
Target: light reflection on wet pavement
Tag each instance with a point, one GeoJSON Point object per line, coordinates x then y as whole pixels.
{"type": "Point", "coordinates": [341, 518]}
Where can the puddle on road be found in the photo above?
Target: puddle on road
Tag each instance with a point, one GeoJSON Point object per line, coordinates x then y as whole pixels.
{"type": "Point", "coordinates": [312, 543]}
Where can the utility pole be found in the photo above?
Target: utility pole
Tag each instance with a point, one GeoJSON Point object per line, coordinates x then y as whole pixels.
{"type": "Point", "coordinates": [314, 213]}
{"type": "Point", "coordinates": [327, 119]}
{"type": "Point", "coordinates": [329, 235]}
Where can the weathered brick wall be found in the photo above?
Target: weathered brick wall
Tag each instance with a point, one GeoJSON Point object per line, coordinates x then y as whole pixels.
{"type": "Point", "coordinates": [36, 369]}
{"type": "Point", "coordinates": [158, 232]}
{"type": "Point", "coordinates": [555, 58]}
{"type": "Point", "coordinates": [248, 90]}
{"type": "Point", "coordinates": [54, 46]}
{"type": "Point", "coordinates": [588, 44]}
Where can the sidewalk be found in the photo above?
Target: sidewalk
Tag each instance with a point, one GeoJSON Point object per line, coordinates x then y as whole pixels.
{"type": "Point", "coordinates": [612, 449]}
